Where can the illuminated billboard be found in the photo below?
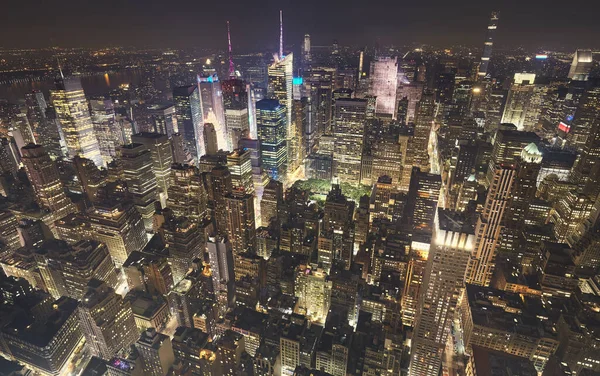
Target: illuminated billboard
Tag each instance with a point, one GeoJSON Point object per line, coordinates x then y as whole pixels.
{"type": "Point", "coordinates": [564, 127]}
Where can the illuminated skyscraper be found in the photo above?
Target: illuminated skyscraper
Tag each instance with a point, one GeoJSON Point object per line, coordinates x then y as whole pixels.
{"type": "Point", "coordinates": [212, 106]}
{"type": "Point", "coordinates": [271, 121]}
{"type": "Point", "coordinates": [280, 88]}
{"type": "Point", "coordinates": [156, 352]}
{"type": "Point", "coordinates": [184, 239]}
{"type": "Point", "coordinates": [74, 117]}
{"type": "Point", "coordinates": [187, 195]}
{"type": "Point", "coordinates": [523, 102]}
{"type": "Point", "coordinates": [581, 66]}
{"type": "Point", "coordinates": [120, 227]}
{"type": "Point", "coordinates": [162, 158]}
{"type": "Point", "coordinates": [272, 199]}
{"type": "Point", "coordinates": [106, 320]}
{"type": "Point", "coordinates": [140, 179]}
{"type": "Point", "coordinates": [164, 116]}
{"type": "Point", "coordinates": [418, 155]}
{"type": "Point", "coordinates": [241, 225]}
{"type": "Point", "coordinates": [43, 175]}
{"type": "Point", "coordinates": [489, 225]}
{"type": "Point", "coordinates": [348, 130]}
{"type": "Point", "coordinates": [103, 119]}
{"type": "Point", "coordinates": [306, 57]}
{"type": "Point", "coordinates": [190, 122]}
{"type": "Point", "coordinates": [452, 243]}
{"type": "Point", "coordinates": [220, 187]}
{"type": "Point", "coordinates": [45, 131]}
{"type": "Point", "coordinates": [384, 85]}
{"type": "Point", "coordinates": [489, 43]}
{"type": "Point", "coordinates": [235, 101]}
{"type": "Point", "coordinates": [422, 200]}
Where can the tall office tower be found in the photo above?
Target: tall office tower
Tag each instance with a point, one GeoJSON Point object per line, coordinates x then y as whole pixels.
{"type": "Point", "coordinates": [241, 225]}
{"type": "Point", "coordinates": [452, 243]}
{"type": "Point", "coordinates": [141, 181]}
{"type": "Point", "coordinates": [45, 131]}
{"type": "Point", "coordinates": [272, 200]}
{"type": "Point", "coordinates": [103, 119]}
{"type": "Point", "coordinates": [76, 125]}
{"type": "Point", "coordinates": [388, 158]}
{"type": "Point", "coordinates": [280, 87]}
{"type": "Point", "coordinates": [162, 159]}
{"type": "Point", "coordinates": [384, 85]}
{"type": "Point", "coordinates": [190, 122]}
{"type": "Point", "coordinates": [587, 111]}
{"type": "Point", "coordinates": [219, 187]}
{"type": "Point", "coordinates": [67, 269]}
{"type": "Point", "coordinates": [220, 257]}
{"type": "Point", "coordinates": [507, 149]}
{"type": "Point", "coordinates": [21, 130]}
{"type": "Point", "coordinates": [211, 143]}
{"type": "Point", "coordinates": [313, 289]}
{"type": "Point", "coordinates": [235, 102]}
{"type": "Point", "coordinates": [306, 56]}
{"type": "Point", "coordinates": [31, 232]}
{"type": "Point", "coordinates": [522, 195]}
{"type": "Point", "coordinates": [156, 352]}
{"type": "Point", "coordinates": [422, 200]}
{"type": "Point", "coordinates": [212, 106]}
{"type": "Point", "coordinates": [180, 154]}
{"type": "Point", "coordinates": [106, 320]}
{"type": "Point", "coordinates": [348, 130]}
{"type": "Point", "coordinates": [10, 157]}
{"type": "Point", "coordinates": [271, 121]}
{"type": "Point", "coordinates": [89, 176]}
{"type": "Point", "coordinates": [581, 66]}
{"type": "Point", "coordinates": [44, 178]}
{"type": "Point", "coordinates": [489, 43]}
{"type": "Point", "coordinates": [240, 167]}
{"type": "Point", "coordinates": [8, 231]}
{"type": "Point", "coordinates": [164, 118]}
{"type": "Point", "coordinates": [338, 225]}
{"type": "Point", "coordinates": [379, 202]}
{"type": "Point", "coordinates": [120, 227]}
{"type": "Point", "coordinates": [300, 107]}
{"type": "Point", "coordinates": [187, 194]}
{"type": "Point", "coordinates": [522, 104]}
{"type": "Point", "coordinates": [490, 223]}
{"type": "Point", "coordinates": [569, 212]}
{"type": "Point", "coordinates": [418, 155]}
{"type": "Point", "coordinates": [319, 84]}
{"type": "Point", "coordinates": [44, 341]}
{"type": "Point", "coordinates": [184, 240]}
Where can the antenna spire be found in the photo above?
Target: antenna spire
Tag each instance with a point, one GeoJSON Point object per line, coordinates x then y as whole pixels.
{"type": "Point", "coordinates": [60, 68]}
{"type": "Point", "coordinates": [280, 34]}
{"type": "Point", "coordinates": [231, 66]}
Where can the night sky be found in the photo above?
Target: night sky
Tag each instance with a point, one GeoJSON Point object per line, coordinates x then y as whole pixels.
{"type": "Point", "coordinates": [254, 24]}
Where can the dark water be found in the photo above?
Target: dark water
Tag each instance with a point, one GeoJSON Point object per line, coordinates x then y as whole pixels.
{"type": "Point", "coordinates": [93, 85]}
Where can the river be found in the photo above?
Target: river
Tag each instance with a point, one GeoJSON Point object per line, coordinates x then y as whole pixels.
{"type": "Point", "coordinates": [93, 85]}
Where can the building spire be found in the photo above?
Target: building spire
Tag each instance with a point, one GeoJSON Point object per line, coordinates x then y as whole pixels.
{"type": "Point", "coordinates": [280, 35]}
{"type": "Point", "coordinates": [60, 68]}
{"type": "Point", "coordinates": [231, 66]}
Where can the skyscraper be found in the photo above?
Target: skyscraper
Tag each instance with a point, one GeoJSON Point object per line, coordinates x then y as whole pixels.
{"type": "Point", "coordinates": [190, 121]}
{"type": "Point", "coordinates": [184, 239]}
{"type": "Point", "coordinates": [235, 101]}
{"type": "Point", "coordinates": [74, 117]}
{"type": "Point", "coordinates": [212, 106]}
{"type": "Point", "coordinates": [140, 179]}
{"type": "Point", "coordinates": [44, 178]}
{"type": "Point", "coordinates": [384, 85]}
{"type": "Point", "coordinates": [489, 225]}
{"type": "Point", "coordinates": [272, 200]}
{"type": "Point", "coordinates": [581, 66]}
{"type": "Point", "coordinates": [220, 187]}
{"type": "Point", "coordinates": [67, 269]}
{"type": "Point", "coordinates": [103, 119]}
{"type": "Point", "coordinates": [418, 155]}
{"type": "Point", "coordinates": [522, 104]}
{"type": "Point", "coordinates": [280, 88]}
{"type": "Point", "coordinates": [187, 194]}
{"type": "Point", "coordinates": [211, 142]}
{"type": "Point", "coordinates": [348, 130]}
{"type": "Point", "coordinates": [241, 224]}
{"type": "Point", "coordinates": [452, 243]}
{"type": "Point", "coordinates": [162, 158]}
{"type": "Point", "coordinates": [106, 320]}
{"type": "Point", "coordinates": [156, 352]}
{"type": "Point", "coordinates": [120, 226]}
{"type": "Point", "coordinates": [489, 43]}
{"type": "Point", "coordinates": [422, 200]}
{"type": "Point", "coordinates": [271, 121]}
